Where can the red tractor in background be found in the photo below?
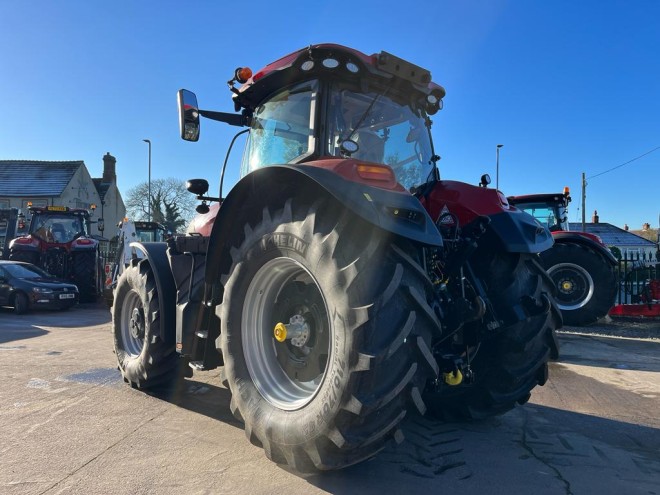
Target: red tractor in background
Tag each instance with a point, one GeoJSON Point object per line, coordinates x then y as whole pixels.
{"type": "Point", "coordinates": [57, 241]}
{"type": "Point", "coordinates": [341, 284]}
{"type": "Point", "coordinates": [581, 266]}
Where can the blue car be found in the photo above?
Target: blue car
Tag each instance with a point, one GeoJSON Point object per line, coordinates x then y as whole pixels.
{"type": "Point", "coordinates": [25, 286]}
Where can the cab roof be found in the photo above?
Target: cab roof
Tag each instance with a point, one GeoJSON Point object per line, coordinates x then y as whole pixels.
{"type": "Point", "coordinates": [350, 64]}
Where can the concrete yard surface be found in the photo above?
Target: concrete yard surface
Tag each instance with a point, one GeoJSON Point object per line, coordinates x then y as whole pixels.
{"type": "Point", "coordinates": [70, 425]}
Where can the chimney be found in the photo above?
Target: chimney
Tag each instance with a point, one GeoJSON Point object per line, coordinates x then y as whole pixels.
{"type": "Point", "coordinates": [625, 227]}
{"type": "Point", "coordinates": [109, 173]}
{"type": "Point", "coordinates": [646, 226]}
{"type": "Point", "coordinates": [594, 219]}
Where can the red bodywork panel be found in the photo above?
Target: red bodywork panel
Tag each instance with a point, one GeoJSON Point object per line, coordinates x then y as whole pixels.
{"type": "Point", "coordinates": [636, 310]}
{"type": "Point", "coordinates": [286, 62]}
{"type": "Point", "coordinates": [44, 245]}
{"type": "Point", "coordinates": [361, 171]}
{"type": "Point", "coordinates": [465, 201]}
{"type": "Point", "coordinates": [593, 237]}
{"type": "Point", "coordinates": [202, 224]}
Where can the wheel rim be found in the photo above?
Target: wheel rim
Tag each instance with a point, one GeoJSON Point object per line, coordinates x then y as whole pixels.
{"type": "Point", "coordinates": [287, 373]}
{"type": "Point", "coordinates": [132, 324]}
{"type": "Point", "coordinates": [575, 287]}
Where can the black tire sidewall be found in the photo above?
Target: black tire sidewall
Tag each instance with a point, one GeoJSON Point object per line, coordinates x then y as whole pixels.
{"type": "Point", "coordinates": [21, 303]}
{"type": "Point", "coordinates": [135, 368]}
{"type": "Point", "coordinates": [316, 417]}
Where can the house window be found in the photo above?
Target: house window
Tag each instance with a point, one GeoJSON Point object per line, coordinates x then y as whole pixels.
{"type": "Point", "coordinates": [4, 203]}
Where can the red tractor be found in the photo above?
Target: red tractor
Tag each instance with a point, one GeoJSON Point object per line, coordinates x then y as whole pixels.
{"type": "Point", "coordinates": [580, 265]}
{"type": "Point", "coordinates": [57, 241]}
{"type": "Point", "coordinates": [341, 284]}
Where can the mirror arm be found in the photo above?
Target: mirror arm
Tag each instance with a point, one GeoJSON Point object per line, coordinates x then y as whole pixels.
{"type": "Point", "coordinates": [228, 118]}
{"type": "Point", "coordinates": [209, 198]}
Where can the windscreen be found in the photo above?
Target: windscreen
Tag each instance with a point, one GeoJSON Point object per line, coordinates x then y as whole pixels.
{"type": "Point", "coordinates": [282, 128]}
{"type": "Point", "coordinates": [385, 130]}
{"type": "Point", "coordinates": [549, 215]}
{"type": "Point", "coordinates": [25, 271]}
{"type": "Point", "coordinates": [57, 228]}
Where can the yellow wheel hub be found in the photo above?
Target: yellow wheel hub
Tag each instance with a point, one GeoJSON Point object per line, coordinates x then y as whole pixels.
{"type": "Point", "coordinates": [566, 285]}
{"type": "Point", "coordinates": [280, 332]}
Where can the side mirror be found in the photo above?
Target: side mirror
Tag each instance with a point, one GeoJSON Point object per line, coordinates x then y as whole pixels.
{"type": "Point", "coordinates": [198, 187]}
{"type": "Point", "coordinates": [348, 147]}
{"type": "Point", "coordinates": [188, 115]}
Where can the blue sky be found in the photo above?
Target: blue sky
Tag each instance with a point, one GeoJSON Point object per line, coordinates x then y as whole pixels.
{"type": "Point", "coordinates": [566, 86]}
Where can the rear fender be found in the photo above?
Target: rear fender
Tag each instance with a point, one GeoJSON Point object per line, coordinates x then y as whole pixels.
{"type": "Point", "coordinates": [453, 203]}
{"type": "Point", "coordinates": [156, 255]}
{"type": "Point", "coordinates": [578, 238]}
{"type": "Point", "coordinates": [393, 211]}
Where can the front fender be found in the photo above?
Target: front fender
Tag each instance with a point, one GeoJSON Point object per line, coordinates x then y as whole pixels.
{"type": "Point", "coordinates": [519, 232]}
{"type": "Point", "coordinates": [578, 238]}
{"type": "Point", "coordinates": [156, 255]}
{"type": "Point", "coordinates": [397, 212]}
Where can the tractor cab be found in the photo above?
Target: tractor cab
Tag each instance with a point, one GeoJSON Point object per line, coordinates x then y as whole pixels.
{"type": "Point", "coordinates": [338, 108]}
{"type": "Point", "coordinates": [549, 209]}
{"type": "Point", "coordinates": [58, 225]}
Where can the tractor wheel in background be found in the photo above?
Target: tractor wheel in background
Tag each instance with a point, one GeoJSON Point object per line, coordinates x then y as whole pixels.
{"type": "Point", "coordinates": [85, 275]}
{"type": "Point", "coordinates": [585, 282]}
{"type": "Point", "coordinates": [20, 303]}
{"type": "Point", "coordinates": [325, 335]}
{"type": "Point", "coordinates": [144, 358]}
{"type": "Point", "coordinates": [25, 256]}
{"type": "Point", "coordinates": [514, 360]}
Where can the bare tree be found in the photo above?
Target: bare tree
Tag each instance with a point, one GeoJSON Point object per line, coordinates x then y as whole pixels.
{"type": "Point", "coordinates": [171, 204]}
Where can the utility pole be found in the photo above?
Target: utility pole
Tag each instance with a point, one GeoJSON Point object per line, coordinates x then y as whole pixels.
{"type": "Point", "coordinates": [584, 200]}
{"type": "Point", "coordinates": [497, 166]}
{"type": "Point", "coordinates": [149, 181]}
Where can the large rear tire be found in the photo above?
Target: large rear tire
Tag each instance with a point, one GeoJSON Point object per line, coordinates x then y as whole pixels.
{"type": "Point", "coordinates": [86, 275]}
{"type": "Point", "coordinates": [585, 282]}
{"type": "Point", "coordinates": [144, 358]}
{"type": "Point", "coordinates": [25, 256]}
{"type": "Point", "coordinates": [325, 336]}
{"type": "Point", "coordinates": [511, 362]}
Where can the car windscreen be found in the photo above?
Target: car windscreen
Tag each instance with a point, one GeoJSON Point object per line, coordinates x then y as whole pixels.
{"type": "Point", "coordinates": [25, 271]}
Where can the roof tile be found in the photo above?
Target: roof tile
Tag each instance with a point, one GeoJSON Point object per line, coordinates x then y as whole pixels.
{"type": "Point", "coordinates": [612, 235]}
{"type": "Point", "coordinates": [27, 178]}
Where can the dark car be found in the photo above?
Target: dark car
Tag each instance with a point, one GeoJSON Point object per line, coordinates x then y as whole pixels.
{"type": "Point", "coordinates": [25, 286]}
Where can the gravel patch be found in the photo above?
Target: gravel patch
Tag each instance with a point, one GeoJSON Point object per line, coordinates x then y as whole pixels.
{"type": "Point", "coordinates": [633, 328]}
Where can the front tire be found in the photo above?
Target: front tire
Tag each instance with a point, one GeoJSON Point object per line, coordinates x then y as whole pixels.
{"type": "Point", "coordinates": [21, 303]}
{"type": "Point", "coordinates": [144, 358]}
{"type": "Point", "coordinates": [325, 334]}
{"type": "Point", "coordinates": [585, 282]}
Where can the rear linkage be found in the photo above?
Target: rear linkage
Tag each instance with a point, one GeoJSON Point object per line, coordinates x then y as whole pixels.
{"type": "Point", "coordinates": [461, 300]}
